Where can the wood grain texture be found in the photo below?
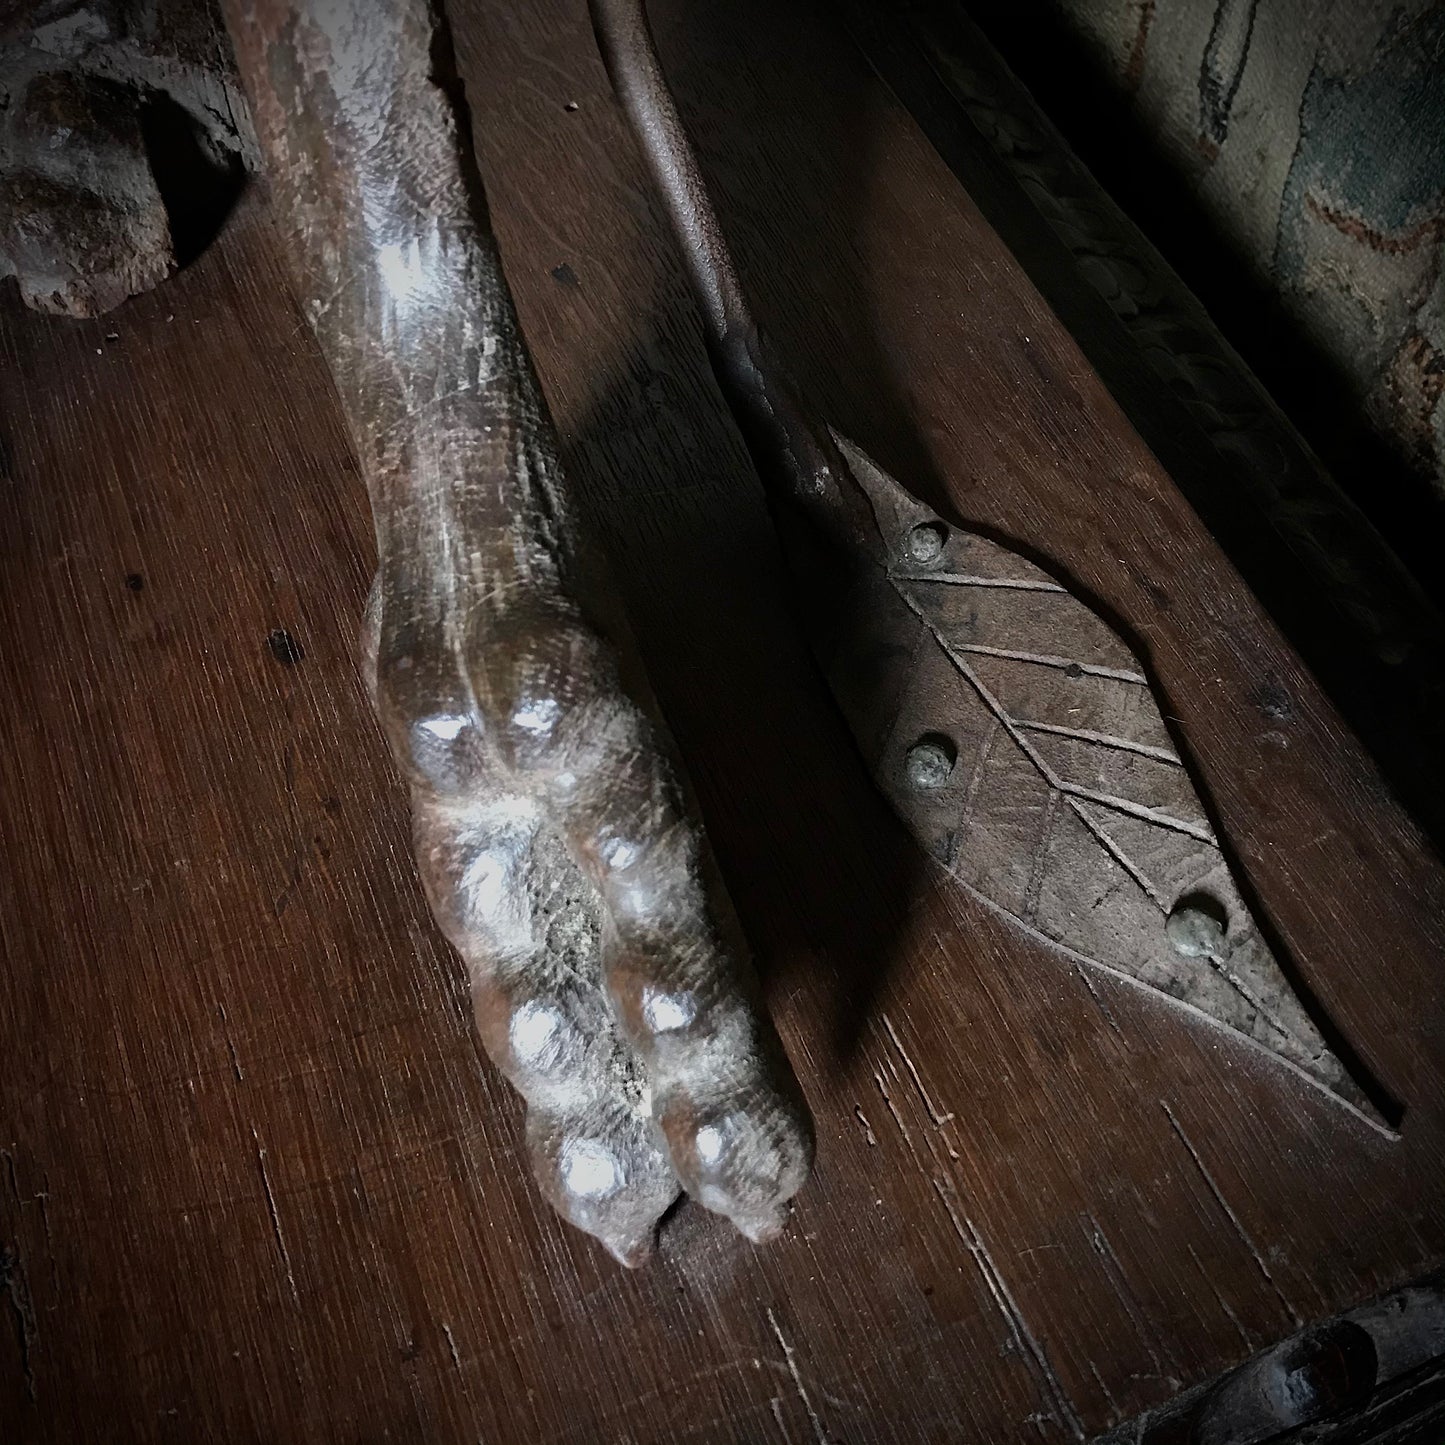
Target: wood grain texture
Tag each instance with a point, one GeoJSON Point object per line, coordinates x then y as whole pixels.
{"type": "Point", "coordinates": [259, 1183]}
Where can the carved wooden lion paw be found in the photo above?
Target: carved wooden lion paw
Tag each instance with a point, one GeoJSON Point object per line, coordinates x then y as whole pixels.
{"type": "Point", "coordinates": [552, 832]}
{"type": "Point", "coordinates": [558, 858]}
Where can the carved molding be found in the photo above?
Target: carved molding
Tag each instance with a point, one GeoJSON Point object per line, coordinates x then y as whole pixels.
{"type": "Point", "coordinates": [1373, 1376]}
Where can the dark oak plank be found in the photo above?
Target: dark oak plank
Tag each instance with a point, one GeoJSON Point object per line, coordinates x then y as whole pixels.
{"type": "Point", "coordinates": [260, 1183]}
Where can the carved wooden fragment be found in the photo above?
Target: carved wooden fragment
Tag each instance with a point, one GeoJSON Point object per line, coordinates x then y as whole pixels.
{"type": "Point", "coordinates": [253, 1167]}
{"type": "Point", "coordinates": [1374, 1376]}
{"type": "Point", "coordinates": [1014, 731]}
{"type": "Point", "coordinates": [552, 830]}
{"type": "Point", "coordinates": [95, 97]}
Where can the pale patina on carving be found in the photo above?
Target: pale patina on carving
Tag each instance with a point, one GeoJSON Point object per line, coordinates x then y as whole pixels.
{"type": "Point", "coordinates": [1013, 730]}
{"type": "Point", "coordinates": [554, 836]}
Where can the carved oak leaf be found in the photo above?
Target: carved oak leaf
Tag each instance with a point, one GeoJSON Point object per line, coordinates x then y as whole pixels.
{"type": "Point", "coordinates": [1014, 732]}
{"type": "Point", "coordinates": [1018, 738]}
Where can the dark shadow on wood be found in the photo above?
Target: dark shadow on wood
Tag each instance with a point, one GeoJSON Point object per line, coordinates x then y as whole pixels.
{"type": "Point", "coordinates": [827, 825]}
{"type": "Point", "coordinates": [199, 181]}
{"type": "Point", "coordinates": [748, 661]}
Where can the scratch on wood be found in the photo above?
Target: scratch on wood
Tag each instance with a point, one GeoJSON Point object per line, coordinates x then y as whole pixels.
{"type": "Point", "coordinates": [452, 1346]}
{"type": "Point", "coordinates": [1024, 1339]}
{"type": "Point", "coordinates": [868, 1133]}
{"type": "Point", "coordinates": [1036, 1249]}
{"type": "Point", "coordinates": [975, 780]}
{"type": "Point", "coordinates": [1040, 857]}
{"type": "Point", "coordinates": [275, 1217]}
{"type": "Point", "coordinates": [1115, 1271]}
{"type": "Point", "coordinates": [1233, 1218]}
{"type": "Point", "coordinates": [1115, 1413]}
{"type": "Point", "coordinates": [897, 1118]}
{"type": "Point", "coordinates": [790, 1360]}
{"type": "Point", "coordinates": [230, 1046]}
{"type": "Point", "coordinates": [1103, 1008]}
{"type": "Point", "coordinates": [776, 1406]}
{"type": "Point", "coordinates": [939, 1120]}
{"type": "Point", "coordinates": [42, 1198]}
{"type": "Point", "coordinates": [1223, 1303]}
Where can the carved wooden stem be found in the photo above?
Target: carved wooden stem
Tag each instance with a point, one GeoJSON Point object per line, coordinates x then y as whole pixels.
{"type": "Point", "coordinates": [809, 486]}
{"type": "Point", "coordinates": [552, 833]}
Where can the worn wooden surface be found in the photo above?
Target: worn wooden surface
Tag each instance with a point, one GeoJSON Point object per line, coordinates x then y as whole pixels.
{"type": "Point", "coordinates": [258, 1182]}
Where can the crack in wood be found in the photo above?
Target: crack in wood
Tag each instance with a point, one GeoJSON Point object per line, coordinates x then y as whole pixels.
{"type": "Point", "coordinates": [1027, 1343]}
{"type": "Point", "coordinates": [1233, 1218]}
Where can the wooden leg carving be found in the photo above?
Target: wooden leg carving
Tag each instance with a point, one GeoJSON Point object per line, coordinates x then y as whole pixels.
{"type": "Point", "coordinates": [552, 831]}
